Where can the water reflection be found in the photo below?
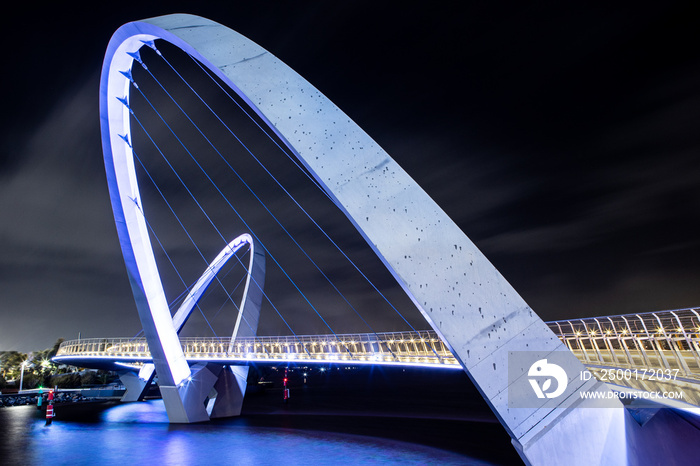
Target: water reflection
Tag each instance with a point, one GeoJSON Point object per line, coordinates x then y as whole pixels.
{"type": "Point", "coordinates": [150, 412]}
{"type": "Point", "coordinates": [138, 433]}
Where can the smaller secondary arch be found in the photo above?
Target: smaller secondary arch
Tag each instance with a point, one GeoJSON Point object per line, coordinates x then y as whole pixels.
{"type": "Point", "coordinates": [252, 295]}
{"type": "Point", "coordinates": [251, 300]}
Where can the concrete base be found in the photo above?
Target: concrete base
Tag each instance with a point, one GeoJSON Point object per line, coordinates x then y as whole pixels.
{"type": "Point", "coordinates": [230, 391]}
{"type": "Point", "coordinates": [669, 437]}
{"type": "Point", "coordinates": [136, 383]}
{"type": "Point", "coordinates": [212, 391]}
{"type": "Point", "coordinates": [186, 403]}
{"type": "Point", "coordinates": [568, 440]}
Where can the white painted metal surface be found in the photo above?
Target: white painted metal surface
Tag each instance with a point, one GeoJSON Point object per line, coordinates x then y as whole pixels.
{"type": "Point", "coordinates": [249, 309]}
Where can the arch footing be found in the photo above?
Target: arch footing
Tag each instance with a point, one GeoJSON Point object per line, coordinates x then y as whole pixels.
{"type": "Point", "coordinates": [137, 383]}
{"type": "Point", "coordinates": [213, 390]}
{"type": "Point", "coordinates": [230, 391]}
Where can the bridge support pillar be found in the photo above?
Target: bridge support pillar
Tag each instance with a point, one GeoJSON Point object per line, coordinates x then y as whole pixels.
{"type": "Point", "coordinates": [212, 391]}
{"type": "Point", "coordinates": [230, 391]}
{"type": "Point", "coordinates": [136, 383]}
{"type": "Point", "coordinates": [187, 402]}
{"type": "Point", "coordinates": [582, 436]}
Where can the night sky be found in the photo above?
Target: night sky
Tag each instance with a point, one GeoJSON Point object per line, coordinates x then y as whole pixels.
{"type": "Point", "coordinates": [563, 140]}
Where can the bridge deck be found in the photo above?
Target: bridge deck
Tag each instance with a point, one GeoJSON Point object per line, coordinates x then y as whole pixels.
{"type": "Point", "coordinates": [668, 341]}
{"type": "Point", "coordinates": [651, 351]}
{"type": "Point", "coordinates": [397, 348]}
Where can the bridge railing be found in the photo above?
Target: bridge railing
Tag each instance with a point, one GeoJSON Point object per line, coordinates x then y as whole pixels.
{"type": "Point", "coordinates": [421, 347]}
{"type": "Point", "coordinates": [668, 341]}
{"type": "Point", "coordinates": [664, 347]}
{"type": "Point", "coordinates": [649, 351]}
{"type": "Point", "coordinates": [652, 352]}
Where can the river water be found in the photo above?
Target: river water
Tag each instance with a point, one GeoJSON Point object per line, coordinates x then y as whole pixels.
{"type": "Point", "coordinates": [314, 430]}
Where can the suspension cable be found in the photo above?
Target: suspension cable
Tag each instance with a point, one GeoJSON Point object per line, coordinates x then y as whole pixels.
{"type": "Point", "coordinates": [272, 176]}
{"type": "Point", "coordinates": [213, 184]}
{"type": "Point", "coordinates": [160, 151]}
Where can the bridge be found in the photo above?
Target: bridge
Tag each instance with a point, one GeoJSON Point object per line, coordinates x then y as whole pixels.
{"type": "Point", "coordinates": [180, 97]}
{"type": "Point", "coordinates": [652, 352]}
{"type": "Point", "coordinates": [420, 348]}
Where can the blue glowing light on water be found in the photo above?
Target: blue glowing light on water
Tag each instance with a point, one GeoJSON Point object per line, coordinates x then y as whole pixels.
{"type": "Point", "coordinates": [139, 433]}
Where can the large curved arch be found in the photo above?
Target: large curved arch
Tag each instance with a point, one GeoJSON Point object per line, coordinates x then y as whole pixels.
{"type": "Point", "coordinates": [462, 296]}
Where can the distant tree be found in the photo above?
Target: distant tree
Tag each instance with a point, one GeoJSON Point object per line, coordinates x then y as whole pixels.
{"type": "Point", "coordinates": [66, 380]}
{"type": "Point", "coordinates": [88, 378]}
{"type": "Point", "coordinates": [30, 380]}
{"type": "Point", "coordinates": [106, 377]}
{"type": "Point", "coordinates": [39, 368]}
{"type": "Point", "coordinates": [43, 368]}
{"type": "Point", "coordinates": [11, 364]}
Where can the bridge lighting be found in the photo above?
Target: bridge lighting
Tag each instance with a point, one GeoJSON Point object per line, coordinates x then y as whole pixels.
{"type": "Point", "coordinates": [593, 332]}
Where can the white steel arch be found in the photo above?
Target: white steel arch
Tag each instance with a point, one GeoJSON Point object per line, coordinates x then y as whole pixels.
{"type": "Point", "coordinates": [246, 322]}
{"type": "Point", "coordinates": [463, 297]}
{"type": "Point", "coordinates": [249, 310]}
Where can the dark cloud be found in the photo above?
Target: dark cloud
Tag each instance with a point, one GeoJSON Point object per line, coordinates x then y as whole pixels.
{"type": "Point", "coordinates": [562, 139]}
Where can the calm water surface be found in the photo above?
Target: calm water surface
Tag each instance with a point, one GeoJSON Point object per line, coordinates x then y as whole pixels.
{"type": "Point", "coordinates": [138, 433]}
